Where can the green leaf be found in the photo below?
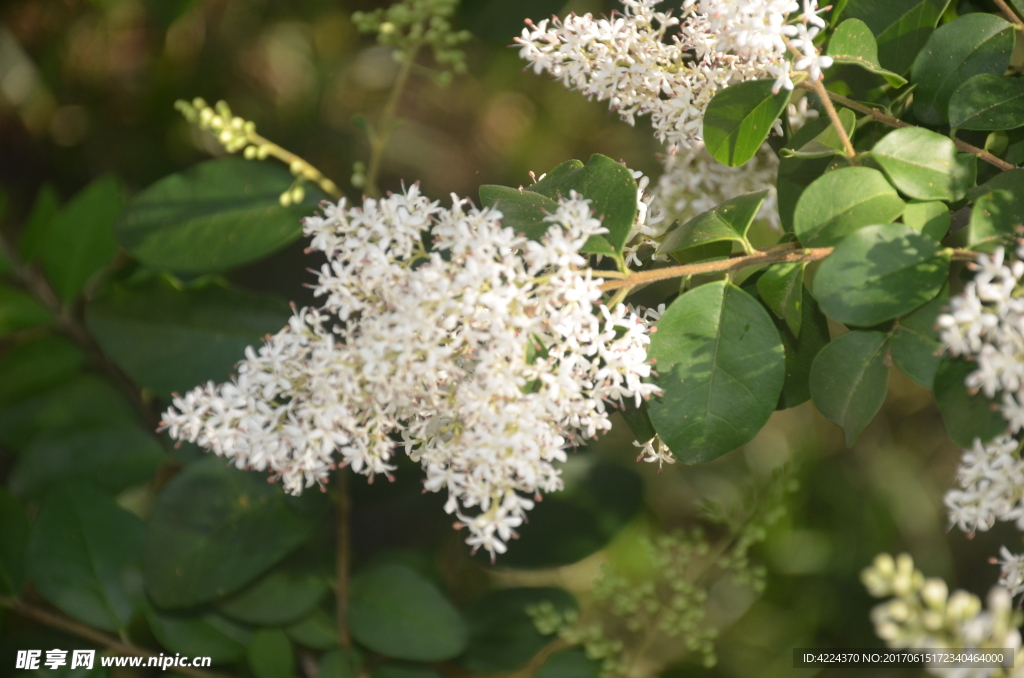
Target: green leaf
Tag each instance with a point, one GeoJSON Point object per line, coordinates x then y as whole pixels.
{"type": "Point", "coordinates": [609, 186]}
{"type": "Point", "coordinates": [19, 311]}
{"type": "Point", "coordinates": [599, 499]}
{"type": "Point", "coordinates": [36, 365]}
{"type": "Point", "coordinates": [853, 43]}
{"type": "Point", "coordinates": [170, 338]}
{"type": "Point", "coordinates": [701, 253]}
{"type": "Point", "coordinates": [721, 367]}
{"type": "Point", "coordinates": [957, 51]}
{"type": "Point", "coordinates": [113, 458]}
{"type": "Point", "coordinates": [849, 379]}
{"type": "Point", "coordinates": [214, 529]}
{"type": "Point", "coordinates": [523, 211]}
{"type": "Point", "coordinates": [205, 635]}
{"type": "Point", "coordinates": [795, 175]}
{"type": "Point", "coordinates": [967, 416]}
{"type": "Point", "coordinates": [1010, 180]}
{"type": "Point", "coordinates": [33, 237]}
{"type": "Point", "coordinates": [79, 240]}
{"type": "Point", "coordinates": [502, 636]}
{"type": "Point", "coordinates": [339, 664]}
{"type": "Point", "coordinates": [213, 216]}
{"type": "Point", "coordinates": [928, 218]}
{"type": "Point", "coordinates": [394, 670]}
{"type": "Point", "coordinates": [639, 421]}
{"type": "Point", "coordinates": [13, 545]}
{"type": "Point", "coordinates": [782, 289]}
{"type": "Point", "coordinates": [727, 222]}
{"type": "Point", "coordinates": [826, 143]}
{"type": "Point", "coordinates": [270, 654]}
{"type": "Point", "coordinates": [739, 118]}
{"type": "Point", "coordinates": [843, 202]}
{"type": "Point", "coordinates": [916, 348]}
{"type": "Point", "coordinates": [879, 273]}
{"type": "Point", "coordinates": [988, 101]}
{"type": "Point", "coordinates": [924, 165]}
{"type": "Point", "coordinates": [995, 219]}
{"type": "Point", "coordinates": [801, 352]}
{"type": "Point", "coordinates": [395, 611]}
{"type": "Point", "coordinates": [285, 594]}
{"type": "Point", "coordinates": [901, 27]}
{"type": "Point", "coordinates": [83, 551]}
{"type": "Point", "coordinates": [569, 664]}
{"type": "Point", "coordinates": [81, 402]}
{"type": "Point", "coordinates": [317, 631]}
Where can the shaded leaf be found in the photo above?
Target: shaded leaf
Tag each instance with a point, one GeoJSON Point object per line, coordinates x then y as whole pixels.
{"type": "Point", "coordinates": [967, 416]}
{"type": "Point", "coordinates": [727, 222]}
{"type": "Point", "coordinates": [916, 348]}
{"type": "Point", "coordinates": [827, 142]}
{"type": "Point", "coordinates": [842, 202]}
{"type": "Point", "coordinates": [849, 379]}
{"type": "Point", "coordinates": [988, 101]}
{"type": "Point", "coordinates": [269, 654]}
{"type": "Point", "coordinates": [13, 545]}
{"type": "Point", "coordinates": [283, 595]}
{"type": "Point", "coordinates": [739, 118]}
{"type": "Point", "coordinates": [20, 311]}
{"type": "Point", "coordinates": [203, 635]}
{"type": "Point", "coordinates": [781, 287]}
{"type": "Point", "coordinates": [33, 237]}
{"type": "Point", "coordinates": [995, 219]}
{"type": "Point", "coordinates": [213, 216]}
{"type": "Point", "coordinates": [36, 365]}
{"type": "Point", "coordinates": [339, 664]}
{"type": "Point", "coordinates": [317, 631]}
{"type": "Point", "coordinates": [901, 27]}
{"type": "Point", "coordinates": [721, 367]}
{"type": "Point", "coordinates": [928, 218]}
{"type": "Point", "coordinates": [522, 211]}
{"type": "Point", "coordinates": [569, 664]}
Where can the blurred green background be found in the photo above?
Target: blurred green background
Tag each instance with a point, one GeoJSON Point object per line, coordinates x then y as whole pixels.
{"type": "Point", "coordinates": [87, 88]}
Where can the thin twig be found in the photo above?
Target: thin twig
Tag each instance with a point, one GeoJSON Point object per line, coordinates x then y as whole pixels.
{"type": "Point", "coordinates": [1010, 15]}
{"type": "Point", "coordinates": [894, 122]}
{"type": "Point", "coordinates": [818, 88]}
{"type": "Point", "coordinates": [68, 625]}
{"type": "Point", "coordinates": [380, 140]}
{"type": "Point", "coordinates": [343, 553]}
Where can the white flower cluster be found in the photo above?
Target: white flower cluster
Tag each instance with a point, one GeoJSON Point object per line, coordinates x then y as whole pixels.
{"type": "Point", "coordinates": [484, 358]}
{"type": "Point", "coordinates": [646, 62]}
{"type": "Point", "coordinates": [922, 614]}
{"type": "Point", "coordinates": [986, 324]}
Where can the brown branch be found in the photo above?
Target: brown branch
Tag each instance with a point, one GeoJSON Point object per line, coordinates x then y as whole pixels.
{"type": "Point", "coordinates": [343, 554]}
{"type": "Point", "coordinates": [68, 625]}
{"type": "Point", "coordinates": [1010, 15]}
{"type": "Point", "coordinates": [894, 122]}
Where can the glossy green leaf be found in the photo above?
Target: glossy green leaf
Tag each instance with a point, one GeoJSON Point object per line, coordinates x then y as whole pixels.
{"type": "Point", "coordinates": [214, 529]}
{"type": "Point", "coordinates": [995, 219]}
{"type": "Point", "coordinates": [957, 51]}
{"type": "Point", "coordinates": [79, 240]}
{"type": "Point", "coordinates": [794, 176]}
{"type": "Point", "coordinates": [80, 402]}
{"type": "Point", "coordinates": [523, 211]}
{"type": "Point", "coordinates": [36, 365]}
{"type": "Point", "coordinates": [609, 186]}
{"type": "Point", "coordinates": [202, 635]}
{"type": "Point", "coordinates": [928, 218]}
{"type": "Point", "coordinates": [33, 237]}
{"type": "Point", "coordinates": [269, 654]}
{"type": "Point", "coordinates": [317, 631]}
{"type": "Point", "coordinates": [901, 27]}
{"type": "Point", "coordinates": [916, 348]}
{"type": "Point", "coordinates": [879, 273]}
{"type": "Point", "coordinates": [569, 664]}
{"type": "Point", "coordinates": [849, 379]}
{"type": "Point", "coordinates": [989, 101]}
{"type": "Point", "coordinates": [395, 611]}
{"type": "Point", "coordinates": [599, 499]}
{"type": "Point", "coordinates": [727, 222]}
{"type": "Point", "coordinates": [826, 143]}
{"type": "Point", "coordinates": [112, 457]}
{"type": "Point", "coordinates": [213, 216]}
{"type": "Point", "coordinates": [924, 165]}
{"type": "Point", "coordinates": [853, 43]}
{"type": "Point", "coordinates": [82, 553]}
{"type": "Point", "coordinates": [739, 118]}
{"type": "Point", "coordinates": [169, 338]}
{"type": "Point", "coordinates": [502, 636]}
{"type": "Point", "coordinates": [13, 545]}
{"type": "Point", "coordinates": [967, 416]}
{"type": "Point", "coordinates": [282, 596]}
{"type": "Point", "coordinates": [20, 311]}
{"type": "Point", "coordinates": [721, 367]}
{"type": "Point", "coordinates": [842, 202]}
{"type": "Point", "coordinates": [782, 289]}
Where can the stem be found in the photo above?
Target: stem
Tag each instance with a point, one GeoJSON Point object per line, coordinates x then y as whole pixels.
{"type": "Point", "coordinates": [343, 554]}
{"type": "Point", "coordinates": [68, 625]}
{"type": "Point", "coordinates": [894, 122]}
{"type": "Point", "coordinates": [1010, 15]}
{"type": "Point", "coordinates": [775, 255]}
{"type": "Point", "coordinates": [819, 88]}
{"type": "Point", "coordinates": [537, 661]}
{"type": "Point", "coordinates": [379, 141]}
{"type": "Point", "coordinates": [68, 324]}
{"type": "Point", "coordinates": [287, 157]}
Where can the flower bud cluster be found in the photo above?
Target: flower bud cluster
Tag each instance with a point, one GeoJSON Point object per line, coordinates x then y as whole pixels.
{"type": "Point", "coordinates": [485, 359]}
{"type": "Point", "coordinates": [647, 62]}
{"type": "Point", "coordinates": [409, 24]}
{"type": "Point", "coordinates": [922, 613]}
